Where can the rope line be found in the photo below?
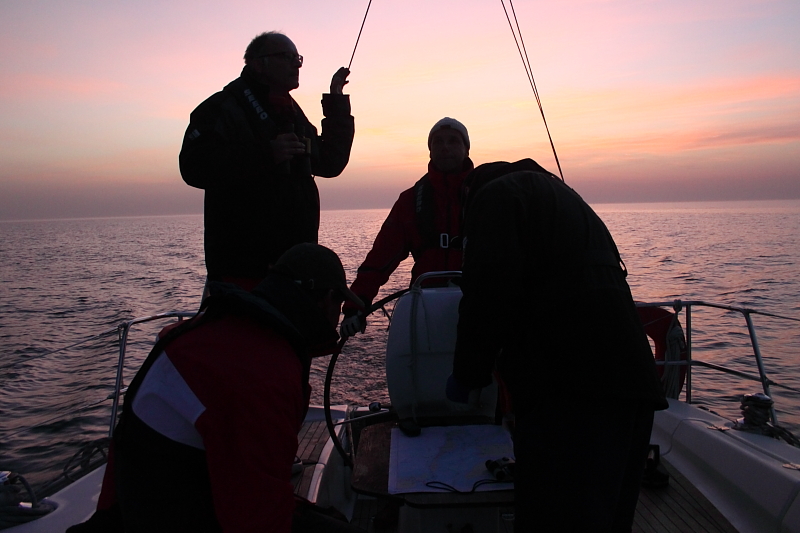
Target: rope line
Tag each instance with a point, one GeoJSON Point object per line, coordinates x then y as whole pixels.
{"type": "Point", "coordinates": [449, 488]}
{"type": "Point", "coordinates": [359, 35]}
{"type": "Point", "coordinates": [526, 63]}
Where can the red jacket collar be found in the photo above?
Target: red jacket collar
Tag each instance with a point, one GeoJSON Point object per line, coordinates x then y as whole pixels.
{"type": "Point", "coordinates": [438, 178]}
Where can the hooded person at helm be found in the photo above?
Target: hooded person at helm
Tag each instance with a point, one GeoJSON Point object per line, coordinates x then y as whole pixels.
{"type": "Point", "coordinates": [425, 221]}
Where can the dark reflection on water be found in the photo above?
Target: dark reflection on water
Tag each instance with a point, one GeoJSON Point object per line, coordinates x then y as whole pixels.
{"type": "Point", "coordinates": [63, 281]}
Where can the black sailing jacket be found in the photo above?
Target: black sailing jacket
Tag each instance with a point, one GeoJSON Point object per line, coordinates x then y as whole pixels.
{"type": "Point", "coordinates": [255, 209]}
{"type": "Point", "coordinates": [543, 283]}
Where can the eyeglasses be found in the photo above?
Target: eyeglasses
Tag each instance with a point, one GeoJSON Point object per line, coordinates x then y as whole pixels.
{"type": "Point", "coordinates": [288, 56]}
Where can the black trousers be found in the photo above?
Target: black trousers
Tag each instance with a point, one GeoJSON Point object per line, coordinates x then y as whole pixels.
{"type": "Point", "coordinates": [579, 466]}
{"type": "Point", "coordinates": [309, 518]}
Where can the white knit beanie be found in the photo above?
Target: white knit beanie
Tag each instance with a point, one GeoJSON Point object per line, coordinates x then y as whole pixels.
{"type": "Point", "coordinates": [448, 122]}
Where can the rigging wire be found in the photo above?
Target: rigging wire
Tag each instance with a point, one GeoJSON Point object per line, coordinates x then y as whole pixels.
{"type": "Point", "coordinates": [523, 54]}
{"type": "Point", "coordinates": [359, 35]}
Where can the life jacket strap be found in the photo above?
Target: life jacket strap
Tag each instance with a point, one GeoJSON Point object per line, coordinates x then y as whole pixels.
{"type": "Point", "coordinates": [446, 241]}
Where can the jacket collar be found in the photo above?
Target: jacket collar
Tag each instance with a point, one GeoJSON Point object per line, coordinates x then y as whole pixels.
{"type": "Point", "coordinates": [454, 178]}
{"type": "Point", "coordinates": [279, 303]}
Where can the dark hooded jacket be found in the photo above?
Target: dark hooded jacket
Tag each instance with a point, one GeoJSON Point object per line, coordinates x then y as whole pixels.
{"type": "Point", "coordinates": [545, 298]}
{"type": "Point", "coordinates": [256, 209]}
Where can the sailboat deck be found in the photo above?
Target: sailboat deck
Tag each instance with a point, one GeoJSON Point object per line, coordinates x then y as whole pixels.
{"type": "Point", "coordinates": [680, 507]}
{"type": "Point", "coordinates": [311, 441]}
{"type": "Point", "coordinates": [677, 508]}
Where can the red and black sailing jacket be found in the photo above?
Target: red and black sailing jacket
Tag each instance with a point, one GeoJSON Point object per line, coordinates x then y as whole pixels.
{"type": "Point", "coordinates": [425, 221]}
{"type": "Point", "coordinates": [209, 428]}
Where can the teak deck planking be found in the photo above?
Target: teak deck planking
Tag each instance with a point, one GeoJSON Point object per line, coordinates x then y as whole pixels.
{"type": "Point", "coordinates": [677, 508]}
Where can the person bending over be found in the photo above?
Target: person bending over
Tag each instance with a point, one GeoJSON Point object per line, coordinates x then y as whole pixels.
{"type": "Point", "coordinates": [208, 431]}
{"type": "Point", "coordinates": [546, 304]}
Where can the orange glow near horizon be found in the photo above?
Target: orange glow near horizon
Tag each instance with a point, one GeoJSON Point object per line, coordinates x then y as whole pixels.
{"type": "Point", "coordinates": [101, 94]}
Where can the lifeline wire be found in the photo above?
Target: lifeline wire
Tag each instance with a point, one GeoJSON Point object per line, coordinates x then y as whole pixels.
{"type": "Point", "coordinates": [51, 352]}
{"type": "Point", "coordinates": [359, 35]}
{"type": "Point", "coordinates": [56, 417]}
{"type": "Point", "coordinates": [529, 72]}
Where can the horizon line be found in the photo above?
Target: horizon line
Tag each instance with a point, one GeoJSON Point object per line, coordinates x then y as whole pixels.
{"type": "Point", "coordinates": [592, 204]}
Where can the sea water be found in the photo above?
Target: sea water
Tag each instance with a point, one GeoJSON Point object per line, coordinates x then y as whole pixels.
{"type": "Point", "coordinates": [62, 281]}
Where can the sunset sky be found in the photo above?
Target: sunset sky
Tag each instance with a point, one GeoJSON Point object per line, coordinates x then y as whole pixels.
{"type": "Point", "coordinates": [646, 100]}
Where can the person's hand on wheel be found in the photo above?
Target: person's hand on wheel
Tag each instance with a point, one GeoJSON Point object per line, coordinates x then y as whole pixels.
{"type": "Point", "coordinates": [352, 324]}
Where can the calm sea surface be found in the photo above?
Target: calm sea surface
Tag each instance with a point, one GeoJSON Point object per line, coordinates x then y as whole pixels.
{"type": "Point", "coordinates": [65, 280]}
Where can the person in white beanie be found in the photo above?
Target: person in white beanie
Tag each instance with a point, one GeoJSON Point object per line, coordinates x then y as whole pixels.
{"type": "Point", "coordinates": [425, 221]}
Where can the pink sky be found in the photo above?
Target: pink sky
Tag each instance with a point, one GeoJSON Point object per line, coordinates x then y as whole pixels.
{"type": "Point", "coordinates": [669, 100]}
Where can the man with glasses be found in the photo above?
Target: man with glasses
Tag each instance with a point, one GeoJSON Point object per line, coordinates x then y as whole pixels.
{"type": "Point", "coordinates": [254, 152]}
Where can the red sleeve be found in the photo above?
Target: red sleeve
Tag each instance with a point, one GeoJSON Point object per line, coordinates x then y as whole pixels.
{"type": "Point", "coordinates": [254, 409]}
{"type": "Point", "coordinates": [391, 247]}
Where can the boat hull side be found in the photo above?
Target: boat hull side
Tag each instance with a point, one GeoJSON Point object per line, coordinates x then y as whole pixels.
{"type": "Point", "coordinates": [741, 473]}
{"type": "Point", "coordinates": [77, 502]}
